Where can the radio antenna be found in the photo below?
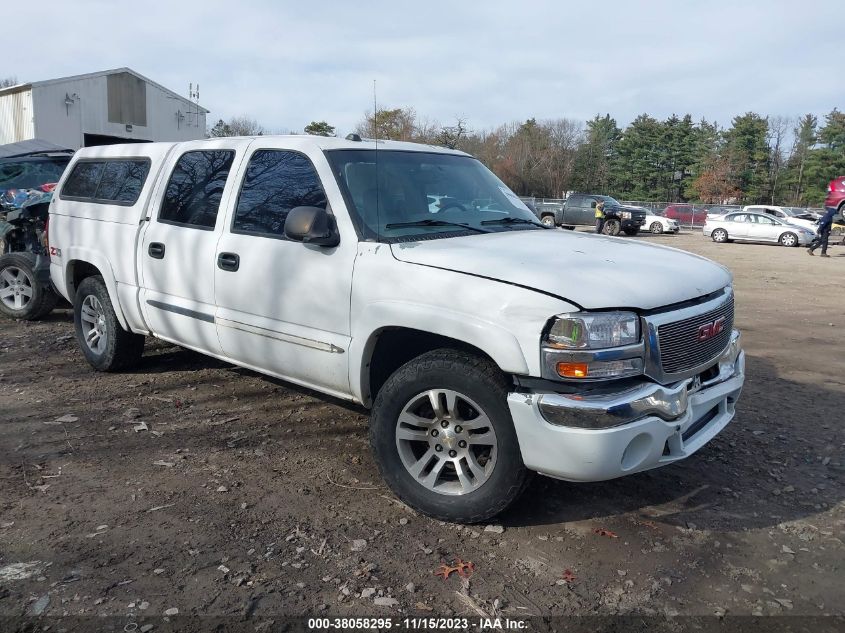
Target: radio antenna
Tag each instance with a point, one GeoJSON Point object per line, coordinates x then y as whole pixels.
{"type": "Point", "coordinates": [375, 134]}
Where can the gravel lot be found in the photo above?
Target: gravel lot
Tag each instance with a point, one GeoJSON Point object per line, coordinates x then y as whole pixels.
{"type": "Point", "coordinates": [192, 485]}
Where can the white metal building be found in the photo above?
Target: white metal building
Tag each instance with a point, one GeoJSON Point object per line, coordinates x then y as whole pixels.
{"type": "Point", "coordinates": [112, 106]}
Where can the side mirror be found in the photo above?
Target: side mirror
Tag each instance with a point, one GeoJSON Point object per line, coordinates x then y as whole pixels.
{"type": "Point", "coordinates": [311, 225]}
{"type": "Point", "coordinates": [593, 204]}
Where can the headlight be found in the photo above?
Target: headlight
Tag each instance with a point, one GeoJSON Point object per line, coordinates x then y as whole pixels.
{"type": "Point", "coordinates": [626, 215]}
{"type": "Point", "coordinates": [594, 330]}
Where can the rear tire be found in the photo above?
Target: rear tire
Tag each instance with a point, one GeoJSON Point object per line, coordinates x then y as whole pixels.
{"type": "Point", "coordinates": [21, 295]}
{"type": "Point", "coordinates": [406, 428]}
{"type": "Point", "coordinates": [612, 227]}
{"type": "Point", "coordinates": [548, 220]}
{"type": "Point", "coordinates": [656, 228]}
{"type": "Point", "coordinates": [788, 239]}
{"type": "Point", "coordinates": [719, 236]}
{"type": "Point", "coordinates": [103, 341]}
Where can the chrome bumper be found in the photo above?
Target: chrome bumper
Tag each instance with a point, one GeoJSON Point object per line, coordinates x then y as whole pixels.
{"type": "Point", "coordinates": [603, 436]}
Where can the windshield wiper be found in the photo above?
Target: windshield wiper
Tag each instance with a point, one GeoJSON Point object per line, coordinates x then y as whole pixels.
{"type": "Point", "coordinates": [511, 220]}
{"type": "Point", "coordinates": [430, 222]}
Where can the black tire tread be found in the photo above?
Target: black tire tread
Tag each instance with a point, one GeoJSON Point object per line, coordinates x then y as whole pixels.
{"type": "Point", "coordinates": [127, 347]}
{"type": "Point", "coordinates": [460, 362]}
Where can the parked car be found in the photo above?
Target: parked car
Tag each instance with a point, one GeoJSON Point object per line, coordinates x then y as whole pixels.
{"type": "Point", "coordinates": [836, 196]}
{"type": "Point", "coordinates": [686, 214]}
{"type": "Point", "coordinates": [580, 210]}
{"type": "Point", "coordinates": [659, 224]}
{"type": "Point", "coordinates": [787, 214]}
{"type": "Point", "coordinates": [756, 227]}
{"type": "Point", "coordinates": [26, 185]}
{"type": "Point", "coordinates": [486, 345]}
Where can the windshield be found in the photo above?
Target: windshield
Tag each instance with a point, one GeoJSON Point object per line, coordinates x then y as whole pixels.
{"type": "Point", "coordinates": [29, 174]}
{"type": "Point", "coordinates": [419, 195]}
{"type": "Point", "coordinates": [613, 202]}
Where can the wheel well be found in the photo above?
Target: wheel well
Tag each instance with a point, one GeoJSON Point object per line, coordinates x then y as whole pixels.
{"type": "Point", "coordinates": [396, 346]}
{"type": "Point", "coordinates": [77, 272]}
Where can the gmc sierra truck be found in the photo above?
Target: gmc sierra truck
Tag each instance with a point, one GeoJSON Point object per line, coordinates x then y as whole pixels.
{"type": "Point", "coordinates": [580, 210]}
{"type": "Point", "coordinates": [486, 345]}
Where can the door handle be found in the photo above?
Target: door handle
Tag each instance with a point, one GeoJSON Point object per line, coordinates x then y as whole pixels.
{"type": "Point", "coordinates": [228, 261]}
{"type": "Point", "coordinates": [156, 250]}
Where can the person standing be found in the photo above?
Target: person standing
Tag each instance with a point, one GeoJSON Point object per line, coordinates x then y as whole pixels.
{"type": "Point", "coordinates": [600, 217]}
{"type": "Point", "coordinates": [823, 235]}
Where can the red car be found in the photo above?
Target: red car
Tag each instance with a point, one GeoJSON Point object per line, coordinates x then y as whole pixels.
{"type": "Point", "coordinates": [836, 195]}
{"type": "Point", "coordinates": [686, 214]}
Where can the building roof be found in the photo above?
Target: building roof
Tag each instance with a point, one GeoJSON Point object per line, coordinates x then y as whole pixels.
{"type": "Point", "coordinates": [102, 73]}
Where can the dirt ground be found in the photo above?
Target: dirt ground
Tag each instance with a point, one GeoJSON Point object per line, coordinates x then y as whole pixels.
{"type": "Point", "coordinates": [189, 484]}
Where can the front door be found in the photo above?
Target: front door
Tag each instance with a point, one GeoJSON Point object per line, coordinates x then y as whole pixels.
{"type": "Point", "coordinates": [283, 306]}
{"type": "Point", "coordinates": [179, 244]}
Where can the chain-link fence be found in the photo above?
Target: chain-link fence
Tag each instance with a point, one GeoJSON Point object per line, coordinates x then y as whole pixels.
{"type": "Point", "coordinates": [687, 214]}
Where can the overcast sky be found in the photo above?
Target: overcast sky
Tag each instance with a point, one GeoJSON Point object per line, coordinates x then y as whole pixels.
{"type": "Point", "coordinates": [489, 61]}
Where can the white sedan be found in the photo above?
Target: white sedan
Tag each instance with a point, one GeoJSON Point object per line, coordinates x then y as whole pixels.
{"type": "Point", "coordinates": [658, 224]}
{"type": "Point", "coordinates": [755, 227]}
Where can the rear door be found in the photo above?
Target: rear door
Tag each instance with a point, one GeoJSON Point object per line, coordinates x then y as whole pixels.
{"type": "Point", "coordinates": [178, 248]}
{"type": "Point", "coordinates": [283, 306]}
{"type": "Point", "coordinates": [737, 225]}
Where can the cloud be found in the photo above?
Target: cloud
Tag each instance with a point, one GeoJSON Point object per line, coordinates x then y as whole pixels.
{"type": "Point", "coordinates": [288, 63]}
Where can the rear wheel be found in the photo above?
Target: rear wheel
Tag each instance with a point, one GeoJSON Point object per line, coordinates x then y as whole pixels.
{"type": "Point", "coordinates": [443, 437]}
{"type": "Point", "coordinates": [548, 220]}
{"type": "Point", "coordinates": [21, 294]}
{"type": "Point", "coordinates": [612, 227]}
{"type": "Point", "coordinates": [720, 236]}
{"type": "Point", "coordinates": [104, 343]}
{"type": "Point", "coordinates": [788, 239]}
{"type": "Point", "coordinates": [656, 228]}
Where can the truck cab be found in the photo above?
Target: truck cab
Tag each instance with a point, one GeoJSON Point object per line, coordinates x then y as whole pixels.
{"type": "Point", "coordinates": [324, 262]}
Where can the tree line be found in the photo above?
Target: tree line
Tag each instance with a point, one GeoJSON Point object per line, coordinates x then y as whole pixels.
{"type": "Point", "coordinates": [773, 159]}
{"type": "Point", "coordinates": [755, 160]}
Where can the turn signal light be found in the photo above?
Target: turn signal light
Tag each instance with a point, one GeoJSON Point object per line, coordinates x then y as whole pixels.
{"type": "Point", "coordinates": [572, 370]}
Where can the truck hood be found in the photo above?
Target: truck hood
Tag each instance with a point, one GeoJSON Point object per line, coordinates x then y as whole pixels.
{"type": "Point", "coordinates": [591, 271]}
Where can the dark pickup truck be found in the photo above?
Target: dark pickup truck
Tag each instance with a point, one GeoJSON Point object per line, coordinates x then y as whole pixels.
{"type": "Point", "coordinates": [580, 210]}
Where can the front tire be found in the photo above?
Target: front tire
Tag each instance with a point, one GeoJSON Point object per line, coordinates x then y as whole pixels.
{"type": "Point", "coordinates": [788, 239]}
{"type": "Point", "coordinates": [612, 227]}
{"type": "Point", "coordinates": [720, 236]}
{"type": "Point", "coordinates": [104, 343]}
{"type": "Point", "coordinates": [656, 228]}
{"type": "Point", "coordinates": [458, 402]}
{"type": "Point", "coordinates": [21, 295]}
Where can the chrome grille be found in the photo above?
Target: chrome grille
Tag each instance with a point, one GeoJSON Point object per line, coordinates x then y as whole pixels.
{"type": "Point", "coordinates": [680, 349]}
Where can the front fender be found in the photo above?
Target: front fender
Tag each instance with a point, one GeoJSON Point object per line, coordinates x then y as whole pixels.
{"type": "Point", "coordinates": [101, 263]}
{"type": "Point", "coordinates": [492, 339]}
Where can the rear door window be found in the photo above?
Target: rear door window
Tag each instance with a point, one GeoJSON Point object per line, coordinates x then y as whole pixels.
{"type": "Point", "coordinates": [195, 188]}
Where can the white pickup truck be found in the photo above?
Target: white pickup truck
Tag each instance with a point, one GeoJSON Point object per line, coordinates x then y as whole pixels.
{"type": "Point", "coordinates": [486, 345]}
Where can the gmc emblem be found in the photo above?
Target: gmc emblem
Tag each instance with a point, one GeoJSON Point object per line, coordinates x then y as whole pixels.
{"type": "Point", "coordinates": [709, 330]}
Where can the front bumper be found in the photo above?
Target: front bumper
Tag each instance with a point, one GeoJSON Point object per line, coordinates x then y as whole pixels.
{"type": "Point", "coordinates": [643, 427]}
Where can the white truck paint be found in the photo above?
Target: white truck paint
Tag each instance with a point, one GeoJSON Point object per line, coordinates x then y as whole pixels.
{"type": "Point", "coordinates": [359, 315]}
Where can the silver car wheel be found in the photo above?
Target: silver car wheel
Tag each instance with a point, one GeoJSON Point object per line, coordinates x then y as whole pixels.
{"type": "Point", "coordinates": [94, 327]}
{"type": "Point", "coordinates": [446, 442]}
{"type": "Point", "coordinates": [788, 239]}
{"type": "Point", "coordinates": [548, 220]}
{"type": "Point", "coordinates": [720, 235]}
{"type": "Point", "coordinates": [656, 228]}
{"type": "Point", "coordinates": [15, 288]}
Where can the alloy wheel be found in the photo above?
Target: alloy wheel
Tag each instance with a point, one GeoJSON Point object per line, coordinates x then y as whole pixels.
{"type": "Point", "coordinates": [94, 326]}
{"type": "Point", "coordinates": [446, 442]}
{"type": "Point", "coordinates": [16, 288]}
